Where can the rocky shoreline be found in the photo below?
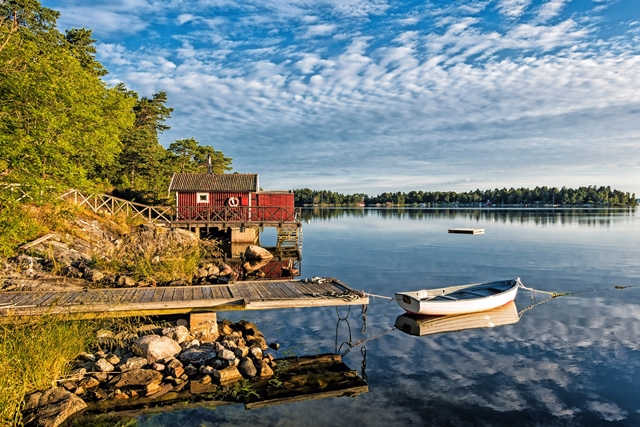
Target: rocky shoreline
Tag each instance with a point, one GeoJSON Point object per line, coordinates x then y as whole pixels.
{"type": "Point", "coordinates": [95, 254]}
{"type": "Point", "coordinates": [155, 364]}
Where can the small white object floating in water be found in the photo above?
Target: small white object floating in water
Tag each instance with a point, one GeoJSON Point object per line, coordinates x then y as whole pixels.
{"type": "Point", "coordinates": [466, 230]}
{"type": "Point", "coordinates": [459, 299]}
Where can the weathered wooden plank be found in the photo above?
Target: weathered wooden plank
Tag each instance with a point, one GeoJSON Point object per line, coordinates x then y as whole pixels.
{"type": "Point", "coordinates": [157, 296]}
{"type": "Point", "coordinates": [168, 294]}
{"type": "Point", "coordinates": [44, 299]}
{"type": "Point", "coordinates": [197, 293]}
{"type": "Point", "coordinates": [126, 298]}
{"type": "Point", "coordinates": [23, 299]}
{"type": "Point", "coordinates": [6, 297]}
{"type": "Point", "coordinates": [137, 296]}
{"type": "Point", "coordinates": [276, 290]}
{"type": "Point", "coordinates": [188, 294]}
{"type": "Point", "coordinates": [178, 295]}
{"type": "Point", "coordinates": [207, 292]}
{"type": "Point", "coordinates": [287, 291]}
{"type": "Point", "coordinates": [72, 298]}
{"type": "Point", "coordinates": [148, 295]}
{"type": "Point", "coordinates": [249, 293]}
{"type": "Point", "coordinates": [258, 291]}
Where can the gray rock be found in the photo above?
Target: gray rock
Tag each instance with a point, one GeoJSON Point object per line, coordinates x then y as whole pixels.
{"type": "Point", "coordinates": [132, 363]}
{"type": "Point", "coordinates": [86, 357]}
{"type": "Point", "coordinates": [207, 370]}
{"type": "Point", "coordinates": [265, 370]}
{"type": "Point", "coordinates": [154, 347]}
{"type": "Point", "coordinates": [113, 359]}
{"type": "Point", "coordinates": [226, 354]}
{"type": "Point", "coordinates": [93, 275]}
{"type": "Point", "coordinates": [241, 352]}
{"type": "Point", "coordinates": [189, 371]}
{"type": "Point", "coordinates": [256, 353]}
{"type": "Point", "coordinates": [52, 407]}
{"type": "Point", "coordinates": [258, 342]}
{"type": "Point", "coordinates": [247, 368]}
{"type": "Point", "coordinates": [125, 281]}
{"type": "Point", "coordinates": [89, 382]}
{"type": "Point", "coordinates": [190, 344]}
{"type": "Point", "coordinates": [136, 378]}
{"type": "Point", "coordinates": [102, 365]}
{"type": "Point", "coordinates": [199, 355]}
{"type": "Point", "coordinates": [179, 334]}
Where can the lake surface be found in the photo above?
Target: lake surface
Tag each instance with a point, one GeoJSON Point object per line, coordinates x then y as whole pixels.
{"type": "Point", "coordinates": [572, 361]}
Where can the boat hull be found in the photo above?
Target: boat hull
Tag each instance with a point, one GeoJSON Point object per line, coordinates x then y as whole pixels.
{"type": "Point", "coordinates": [424, 302]}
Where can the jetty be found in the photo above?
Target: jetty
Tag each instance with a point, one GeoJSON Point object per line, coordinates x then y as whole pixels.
{"type": "Point", "coordinates": [164, 300]}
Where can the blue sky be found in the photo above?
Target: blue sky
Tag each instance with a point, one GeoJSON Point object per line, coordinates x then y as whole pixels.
{"type": "Point", "coordinates": [374, 95]}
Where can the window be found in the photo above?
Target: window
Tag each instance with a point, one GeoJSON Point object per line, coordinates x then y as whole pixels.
{"type": "Point", "coordinates": [202, 197]}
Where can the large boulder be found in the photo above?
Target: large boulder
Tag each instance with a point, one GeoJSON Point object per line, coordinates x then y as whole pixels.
{"type": "Point", "coordinates": [256, 252]}
{"type": "Point", "coordinates": [154, 347]}
{"type": "Point", "coordinates": [247, 368]}
{"type": "Point", "coordinates": [51, 408]}
{"type": "Point", "coordinates": [198, 355]}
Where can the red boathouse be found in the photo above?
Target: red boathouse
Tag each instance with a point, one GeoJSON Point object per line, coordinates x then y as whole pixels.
{"type": "Point", "coordinates": [229, 200]}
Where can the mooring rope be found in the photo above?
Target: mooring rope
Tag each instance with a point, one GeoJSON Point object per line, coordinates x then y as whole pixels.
{"type": "Point", "coordinates": [377, 296]}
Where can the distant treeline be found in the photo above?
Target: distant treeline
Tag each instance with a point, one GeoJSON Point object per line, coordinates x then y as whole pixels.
{"type": "Point", "coordinates": [591, 195]}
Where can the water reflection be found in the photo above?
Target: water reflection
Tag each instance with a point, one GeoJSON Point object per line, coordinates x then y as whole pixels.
{"type": "Point", "coordinates": [542, 216]}
{"type": "Point", "coordinates": [419, 325]}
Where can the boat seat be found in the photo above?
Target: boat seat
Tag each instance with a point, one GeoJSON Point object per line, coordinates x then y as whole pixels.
{"type": "Point", "coordinates": [478, 294]}
{"type": "Point", "coordinates": [448, 297]}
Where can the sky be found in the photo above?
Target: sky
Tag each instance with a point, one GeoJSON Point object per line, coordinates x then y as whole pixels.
{"type": "Point", "coordinates": [372, 96]}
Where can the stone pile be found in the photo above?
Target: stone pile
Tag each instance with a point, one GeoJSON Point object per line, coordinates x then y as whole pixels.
{"type": "Point", "coordinates": [152, 365]}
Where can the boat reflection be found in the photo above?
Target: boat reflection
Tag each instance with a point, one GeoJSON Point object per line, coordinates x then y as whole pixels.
{"type": "Point", "coordinates": [420, 325]}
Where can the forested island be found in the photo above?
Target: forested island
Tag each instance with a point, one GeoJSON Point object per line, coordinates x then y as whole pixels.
{"type": "Point", "coordinates": [522, 197]}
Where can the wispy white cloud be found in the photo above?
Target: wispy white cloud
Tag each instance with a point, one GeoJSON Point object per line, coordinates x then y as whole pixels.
{"type": "Point", "coordinates": [551, 9]}
{"type": "Point", "coordinates": [513, 8]}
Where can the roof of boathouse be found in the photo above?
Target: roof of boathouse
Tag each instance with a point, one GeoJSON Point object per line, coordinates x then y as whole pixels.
{"type": "Point", "coordinates": [213, 182]}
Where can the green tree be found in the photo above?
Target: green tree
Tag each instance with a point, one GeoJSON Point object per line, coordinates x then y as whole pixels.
{"type": "Point", "coordinates": [59, 123]}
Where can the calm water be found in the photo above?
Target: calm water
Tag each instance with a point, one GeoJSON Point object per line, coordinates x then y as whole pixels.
{"type": "Point", "coordinates": [573, 361]}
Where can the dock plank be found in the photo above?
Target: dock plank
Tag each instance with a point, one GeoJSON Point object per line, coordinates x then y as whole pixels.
{"type": "Point", "coordinates": [249, 295]}
{"type": "Point", "coordinates": [207, 293]}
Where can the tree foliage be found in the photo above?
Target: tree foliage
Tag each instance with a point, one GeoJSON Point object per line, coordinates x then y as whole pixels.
{"type": "Point", "coordinates": [62, 126]}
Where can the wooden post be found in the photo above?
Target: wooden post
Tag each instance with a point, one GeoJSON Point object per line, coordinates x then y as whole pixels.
{"type": "Point", "coordinates": [204, 326]}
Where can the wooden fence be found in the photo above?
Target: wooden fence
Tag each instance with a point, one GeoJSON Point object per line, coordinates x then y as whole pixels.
{"type": "Point", "coordinates": [190, 215]}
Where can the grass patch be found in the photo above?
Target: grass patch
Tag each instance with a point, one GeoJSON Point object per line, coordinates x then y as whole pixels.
{"type": "Point", "coordinates": [34, 355]}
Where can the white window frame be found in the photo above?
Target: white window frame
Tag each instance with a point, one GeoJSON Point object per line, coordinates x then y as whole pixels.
{"type": "Point", "coordinates": [199, 201]}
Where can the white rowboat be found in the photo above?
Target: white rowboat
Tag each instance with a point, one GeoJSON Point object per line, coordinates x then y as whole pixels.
{"type": "Point", "coordinates": [459, 299]}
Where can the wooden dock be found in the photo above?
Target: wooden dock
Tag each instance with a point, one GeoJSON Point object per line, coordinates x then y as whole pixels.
{"type": "Point", "coordinates": [122, 302]}
{"type": "Point", "coordinates": [466, 230]}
